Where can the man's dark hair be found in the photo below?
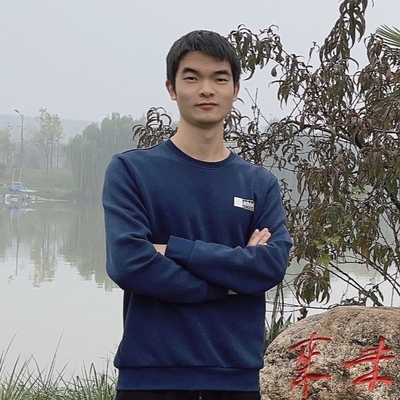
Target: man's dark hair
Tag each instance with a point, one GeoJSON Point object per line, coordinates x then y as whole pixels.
{"type": "Point", "coordinates": [208, 42]}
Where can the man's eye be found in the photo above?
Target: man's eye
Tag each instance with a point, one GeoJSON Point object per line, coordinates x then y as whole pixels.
{"type": "Point", "coordinates": [222, 80]}
{"type": "Point", "coordinates": [190, 78]}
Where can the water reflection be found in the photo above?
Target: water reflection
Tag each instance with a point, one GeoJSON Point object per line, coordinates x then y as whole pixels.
{"type": "Point", "coordinates": [53, 285]}
{"type": "Point", "coordinates": [55, 234]}
{"type": "Point", "coordinates": [54, 231]}
{"type": "Point", "coordinates": [84, 246]}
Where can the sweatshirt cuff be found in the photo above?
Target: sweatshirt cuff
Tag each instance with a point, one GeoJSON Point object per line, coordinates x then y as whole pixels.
{"type": "Point", "coordinates": [179, 250]}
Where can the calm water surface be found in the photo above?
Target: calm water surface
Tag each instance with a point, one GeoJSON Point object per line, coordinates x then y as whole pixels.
{"type": "Point", "coordinates": [55, 294]}
{"type": "Point", "coordinates": [54, 288]}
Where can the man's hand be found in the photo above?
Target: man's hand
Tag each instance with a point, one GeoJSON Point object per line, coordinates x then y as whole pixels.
{"type": "Point", "coordinates": [160, 248]}
{"type": "Point", "coordinates": [259, 237]}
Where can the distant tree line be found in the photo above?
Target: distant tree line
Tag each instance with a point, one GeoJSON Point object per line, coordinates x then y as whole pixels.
{"type": "Point", "coordinates": [42, 148]}
{"type": "Point", "coordinates": [86, 155]}
{"type": "Point", "coordinates": [89, 153]}
{"type": "Point", "coordinates": [7, 148]}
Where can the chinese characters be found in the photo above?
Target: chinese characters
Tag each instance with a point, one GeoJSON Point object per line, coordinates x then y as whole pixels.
{"type": "Point", "coordinates": [308, 349]}
{"type": "Point", "coordinates": [373, 355]}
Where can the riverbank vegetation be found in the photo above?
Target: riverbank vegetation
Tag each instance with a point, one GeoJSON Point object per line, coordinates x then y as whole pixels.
{"type": "Point", "coordinates": [57, 183]}
{"type": "Point", "coordinates": [26, 380]}
{"type": "Point", "coordinates": [58, 170]}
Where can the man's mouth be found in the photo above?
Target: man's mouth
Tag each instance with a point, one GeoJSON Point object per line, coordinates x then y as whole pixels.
{"type": "Point", "coordinates": [207, 105]}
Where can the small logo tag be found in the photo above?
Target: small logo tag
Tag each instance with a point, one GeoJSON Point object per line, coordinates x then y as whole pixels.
{"type": "Point", "coordinates": [243, 203]}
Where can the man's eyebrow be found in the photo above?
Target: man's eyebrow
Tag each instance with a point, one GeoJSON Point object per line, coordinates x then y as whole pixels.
{"type": "Point", "coordinates": [222, 72]}
{"type": "Point", "coordinates": [189, 70]}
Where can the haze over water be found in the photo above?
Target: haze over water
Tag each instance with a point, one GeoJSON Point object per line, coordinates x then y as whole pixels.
{"type": "Point", "coordinates": [54, 288]}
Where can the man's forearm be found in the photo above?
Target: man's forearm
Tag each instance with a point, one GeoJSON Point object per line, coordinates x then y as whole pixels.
{"type": "Point", "coordinates": [259, 237]}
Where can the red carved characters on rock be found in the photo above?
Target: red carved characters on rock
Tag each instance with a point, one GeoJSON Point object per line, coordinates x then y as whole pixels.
{"type": "Point", "coordinates": [373, 355]}
{"type": "Point", "coordinates": [307, 351]}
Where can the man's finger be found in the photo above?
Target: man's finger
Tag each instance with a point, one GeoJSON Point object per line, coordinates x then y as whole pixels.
{"type": "Point", "coordinates": [254, 238]}
{"type": "Point", "coordinates": [259, 237]}
{"type": "Point", "coordinates": [264, 239]}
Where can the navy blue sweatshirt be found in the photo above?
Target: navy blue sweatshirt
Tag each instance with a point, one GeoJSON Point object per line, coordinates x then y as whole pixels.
{"type": "Point", "coordinates": [182, 330]}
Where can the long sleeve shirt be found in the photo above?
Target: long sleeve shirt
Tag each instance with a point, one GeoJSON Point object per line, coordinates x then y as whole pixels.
{"type": "Point", "coordinates": [182, 330]}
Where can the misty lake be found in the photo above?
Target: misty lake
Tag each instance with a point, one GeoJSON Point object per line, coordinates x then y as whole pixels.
{"type": "Point", "coordinates": [54, 288]}
{"type": "Point", "coordinates": [55, 294]}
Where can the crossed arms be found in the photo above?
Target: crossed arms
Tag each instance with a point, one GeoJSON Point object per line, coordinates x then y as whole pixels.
{"type": "Point", "coordinates": [186, 271]}
{"type": "Point", "coordinates": [257, 238]}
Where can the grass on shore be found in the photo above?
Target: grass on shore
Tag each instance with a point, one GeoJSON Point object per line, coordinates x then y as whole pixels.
{"type": "Point", "coordinates": [57, 183]}
{"type": "Point", "coordinates": [26, 383]}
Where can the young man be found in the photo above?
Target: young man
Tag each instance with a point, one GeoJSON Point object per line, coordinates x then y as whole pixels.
{"type": "Point", "coordinates": [187, 225]}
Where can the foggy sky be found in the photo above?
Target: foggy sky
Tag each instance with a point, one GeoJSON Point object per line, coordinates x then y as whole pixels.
{"type": "Point", "coordinates": [84, 59]}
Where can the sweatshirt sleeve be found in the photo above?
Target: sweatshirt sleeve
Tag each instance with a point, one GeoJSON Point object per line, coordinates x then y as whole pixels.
{"type": "Point", "coordinates": [132, 262]}
{"type": "Point", "coordinates": [247, 270]}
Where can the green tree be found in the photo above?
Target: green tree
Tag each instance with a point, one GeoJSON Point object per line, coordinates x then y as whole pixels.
{"type": "Point", "coordinates": [89, 153]}
{"type": "Point", "coordinates": [340, 144]}
{"type": "Point", "coordinates": [48, 137]}
{"type": "Point", "coordinates": [5, 145]}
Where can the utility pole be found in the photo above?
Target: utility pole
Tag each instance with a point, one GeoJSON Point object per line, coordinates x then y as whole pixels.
{"type": "Point", "coordinates": [22, 135]}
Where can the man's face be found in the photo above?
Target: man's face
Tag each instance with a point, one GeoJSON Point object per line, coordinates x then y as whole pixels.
{"type": "Point", "coordinates": [204, 89]}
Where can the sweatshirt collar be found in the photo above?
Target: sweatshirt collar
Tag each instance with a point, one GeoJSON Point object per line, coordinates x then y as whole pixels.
{"type": "Point", "coordinates": [198, 163]}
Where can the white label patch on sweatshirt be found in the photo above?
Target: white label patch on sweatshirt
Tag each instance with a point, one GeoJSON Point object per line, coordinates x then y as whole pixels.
{"type": "Point", "coordinates": [243, 203]}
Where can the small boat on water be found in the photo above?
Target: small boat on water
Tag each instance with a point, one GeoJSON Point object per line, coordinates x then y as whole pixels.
{"type": "Point", "coordinates": [18, 187]}
{"type": "Point", "coordinates": [16, 184]}
{"type": "Point", "coordinates": [19, 195]}
{"type": "Point", "coordinates": [16, 199]}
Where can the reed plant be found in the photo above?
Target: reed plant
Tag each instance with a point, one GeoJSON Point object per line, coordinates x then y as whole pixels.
{"type": "Point", "coordinates": [27, 381]}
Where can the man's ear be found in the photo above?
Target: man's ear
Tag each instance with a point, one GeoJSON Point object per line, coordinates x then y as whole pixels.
{"type": "Point", "coordinates": [171, 90]}
{"type": "Point", "coordinates": [236, 91]}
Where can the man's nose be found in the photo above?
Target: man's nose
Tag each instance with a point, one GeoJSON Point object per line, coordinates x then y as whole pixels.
{"type": "Point", "coordinates": [207, 89]}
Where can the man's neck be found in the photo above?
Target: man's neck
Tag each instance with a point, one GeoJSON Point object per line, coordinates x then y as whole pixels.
{"type": "Point", "coordinates": [201, 144]}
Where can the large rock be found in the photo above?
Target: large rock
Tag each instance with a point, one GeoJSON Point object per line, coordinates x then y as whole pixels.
{"type": "Point", "coordinates": [346, 353]}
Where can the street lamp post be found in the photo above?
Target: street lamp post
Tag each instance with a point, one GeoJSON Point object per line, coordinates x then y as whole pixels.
{"type": "Point", "coordinates": [22, 135]}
